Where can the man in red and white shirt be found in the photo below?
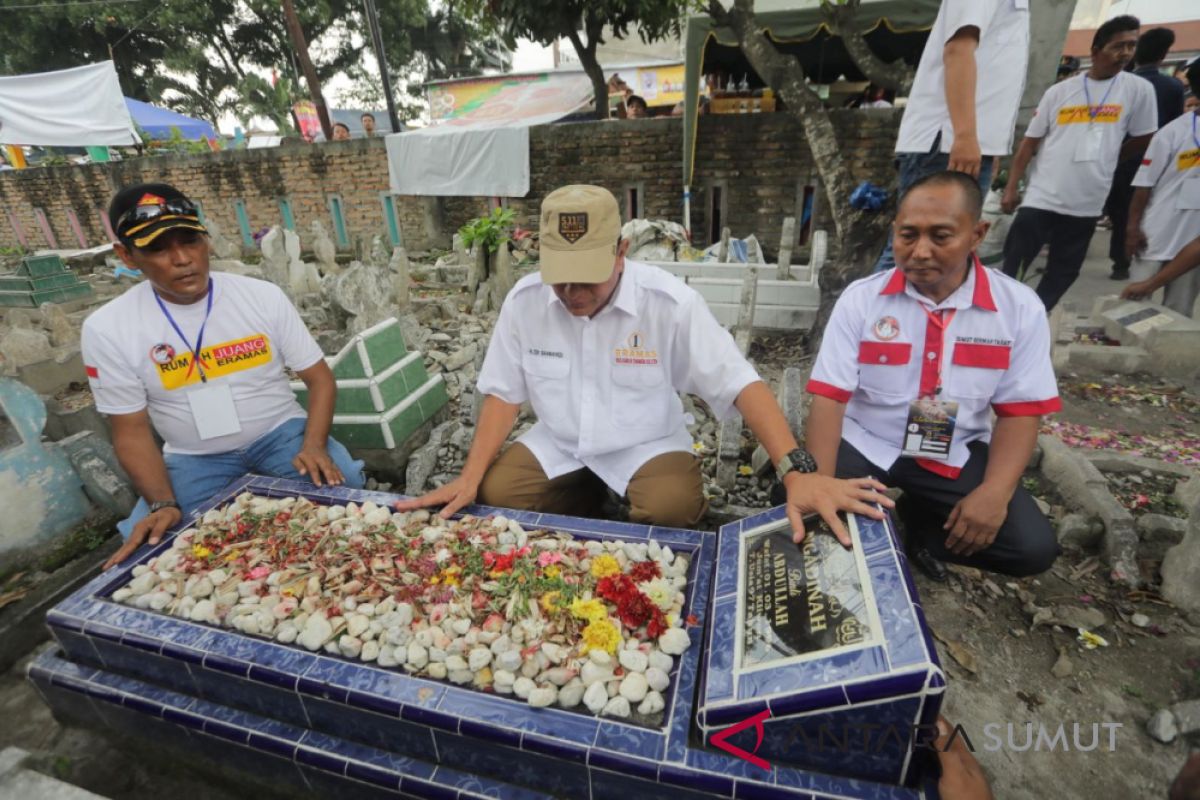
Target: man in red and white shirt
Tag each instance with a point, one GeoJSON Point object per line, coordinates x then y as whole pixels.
{"type": "Point", "coordinates": [912, 365]}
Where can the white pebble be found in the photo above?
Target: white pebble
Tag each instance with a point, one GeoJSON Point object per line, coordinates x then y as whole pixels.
{"type": "Point", "coordinates": [510, 660]}
{"type": "Point", "coordinates": [661, 660]}
{"type": "Point", "coordinates": [593, 673]}
{"type": "Point", "coordinates": [502, 681]}
{"type": "Point", "coordinates": [595, 698]}
{"type": "Point", "coordinates": [121, 595]}
{"type": "Point", "coordinates": [436, 670]}
{"type": "Point", "coordinates": [634, 687]}
{"type": "Point", "coordinates": [479, 658]}
{"type": "Point", "coordinates": [616, 707]}
{"type": "Point", "coordinates": [357, 625]}
{"type": "Point", "coordinates": [418, 657]}
{"type": "Point", "coordinates": [202, 611]}
{"type": "Point", "coordinates": [657, 680]}
{"type": "Point", "coordinates": [571, 695]}
{"type": "Point", "coordinates": [461, 677]}
{"type": "Point", "coordinates": [351, 646]}
{"type": "Point", "coordinates": [674, 641]}
{"type": "Point", "coordinates": [370, 651]}
{"type": "Point", "coordinates": [634, 660]}
{"type": "Point", "coordinates": [522, 687]}
{"type": "Point", "coordinates": [456, 663]}
{"type": "Point", "coordinates": [600, 657]}
{"type": "Point", "coordinates": [543, 696]}
{"type": "Point", "coordinates": [404, 614]}
{"type": "Point", "coordinates": [652, 704]}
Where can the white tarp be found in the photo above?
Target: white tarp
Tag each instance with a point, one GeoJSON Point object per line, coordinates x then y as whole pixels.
{"type": "Point", "coordinates": [69, 108]}
{"type": "Point", "coordinates": [484, 152]}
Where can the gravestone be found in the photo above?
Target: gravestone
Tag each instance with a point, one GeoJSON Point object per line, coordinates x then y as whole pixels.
{"type": "Point", "coordinates": [379, 254]}
{"type": "Point", "coordinates": [39, 491]}
{"type": "Point", "coordinates": [222, 247]}
{"type": "Point", "coordinates": [365, 292]}
{"type": "Point", "coordinates": [324, 250]}
{"type": "Point", "coordinates": [302, 277]}
{"type": "Point", "coordinates": [275, 260]}
{"type": "Point", "coordinates": [785, 248]}
{"type": "Point", "coordinates": [503, 279]}
{"type": "Point", "coordinates": [400, 268]}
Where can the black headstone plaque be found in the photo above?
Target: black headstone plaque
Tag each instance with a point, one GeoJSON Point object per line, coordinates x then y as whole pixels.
{"type": "Point", "coordinates": [800, 600]}
{"type": "Point", "coordinates": [1138, 316]}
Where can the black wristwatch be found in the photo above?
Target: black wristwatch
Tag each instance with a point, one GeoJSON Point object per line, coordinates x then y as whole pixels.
{"type": "Point", "coordinates": [798, 460]}
{"type": "Point", "coordinates": [159, 505]}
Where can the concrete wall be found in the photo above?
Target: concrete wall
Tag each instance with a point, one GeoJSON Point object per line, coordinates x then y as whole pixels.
{"type": "Point", "coordinates": [758, 163]}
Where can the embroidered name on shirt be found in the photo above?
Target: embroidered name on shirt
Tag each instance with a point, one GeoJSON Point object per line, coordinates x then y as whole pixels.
{"type": "Point", "coordinates": [981, 340]}
{"type": "Point", "coordinates": [1073, 115]}
{"type": "Point", "coordinates": [221, 359]}
{"type": "Point", "coordinates": [533, 351]}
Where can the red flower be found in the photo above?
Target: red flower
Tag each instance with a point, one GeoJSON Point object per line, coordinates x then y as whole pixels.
{"type": "Point", "coordinates": [635, 610]}
{"type": "Point", "coordinates": [657, 625]}
{"type": "Point", "coordinates": [644, 571]}
{"type": "Point", "coordinates": [615, 587]}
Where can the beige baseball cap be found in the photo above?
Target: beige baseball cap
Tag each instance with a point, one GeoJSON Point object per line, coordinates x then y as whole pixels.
{"type": "Point", "coordinates": [580, 229]}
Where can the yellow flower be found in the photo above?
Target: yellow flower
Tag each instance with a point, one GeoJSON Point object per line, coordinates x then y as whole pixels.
{"type": "Point", "coordinates": [592, 610]}
{"type": "Point", "coordinates": [450, 575]}
{"type": "Point", "coordinates": [552, 571]}
{"type": "Point", "coordinates": [200, 551]}
{"type": "Point", "coordinates": [549, 602]}
{"type": "Point", "coordinates": [697, 446]}
{"type": "Point", "coordinates": [601, 635]}
{"type": "Point", "coordinates": [745, 470]}
{"type": "Point", "coordinates": [604, 565]}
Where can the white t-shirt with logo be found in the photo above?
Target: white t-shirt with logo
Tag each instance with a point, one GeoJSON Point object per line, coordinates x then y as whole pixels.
{"type": "Point", "coordinates": [1172, 167]}
{"type": "Point", "coordinates": [1000, 62]}
{"type": "Point", "coordinates": [136, 360]}
{"type": "Point", "coordinates": [605, 389]}
{"type": "Point", "coordinates": [1059, 180]}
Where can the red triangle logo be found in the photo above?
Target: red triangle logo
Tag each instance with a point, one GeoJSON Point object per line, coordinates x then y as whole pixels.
{"type": "Point", "coordinates": [719, 739]}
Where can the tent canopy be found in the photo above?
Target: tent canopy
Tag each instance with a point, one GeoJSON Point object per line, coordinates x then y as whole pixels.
{"type": "Point", "coordinates": [74, 107]}
{"type": "Point", "coordinates": [157, 122]}
{"type": "Point", "coordinates": [893, 28]}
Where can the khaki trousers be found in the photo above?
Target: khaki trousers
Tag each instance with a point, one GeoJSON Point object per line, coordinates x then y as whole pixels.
{"type": "Point", "coordinates": [667, 490]}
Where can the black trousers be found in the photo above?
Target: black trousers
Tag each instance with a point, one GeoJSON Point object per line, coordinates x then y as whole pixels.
{"type": "Point", "coordinates": [1117, 208]}
{"type": "Point", "coordinates": [1025, 544]}
{"type": "Point", "coordinates": [1068, 238]}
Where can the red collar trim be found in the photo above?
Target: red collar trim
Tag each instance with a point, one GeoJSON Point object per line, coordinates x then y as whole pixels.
{"type": "Point", "coordinates": [983, 286]}
{"type": "Point", "coordinates": [895, 284]}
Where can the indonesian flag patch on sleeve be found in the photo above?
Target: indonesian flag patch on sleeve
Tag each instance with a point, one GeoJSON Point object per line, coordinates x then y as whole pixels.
{"type": "Point", "coordinates": [93, 374]}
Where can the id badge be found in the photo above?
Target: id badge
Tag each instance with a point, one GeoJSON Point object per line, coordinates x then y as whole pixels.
{"type": "Point", "coordinates": [1088, 148]}
{"type": "Point", "coordinates": [929, 429]}
{"type": "Point", "coordinates": [1189, 194]}
{"type": "Point", "coordinates": [214, 411]}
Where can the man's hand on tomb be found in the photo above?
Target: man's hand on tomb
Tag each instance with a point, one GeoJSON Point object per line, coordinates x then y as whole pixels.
{"type": "Point", "coordinates": [962, 777]}
{"type": "Point", "coordinates": [975, 520]}
{"type": "Point", "coordinates": [454, 495]}
{"type": "Point", "coordinates": [827, 496]}
{"type": "Point", "coordinates": [314, 463]}
{"type": "Point", "coordinates": [152, 527]}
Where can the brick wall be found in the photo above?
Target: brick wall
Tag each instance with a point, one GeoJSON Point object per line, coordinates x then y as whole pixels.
{"type": "Point", "coordinates": [758, 162]}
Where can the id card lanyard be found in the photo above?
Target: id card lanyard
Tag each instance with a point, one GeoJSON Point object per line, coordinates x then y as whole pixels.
{"type": "Point", "coordinates": [196, 358]}
{"type": "Point", "coordinates": [1088, 98]}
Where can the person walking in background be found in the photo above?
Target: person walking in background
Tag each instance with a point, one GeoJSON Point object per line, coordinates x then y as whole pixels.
{"type": "Point", "coordinates": [965, 97]}
{"type": "Point", "coordinates": [1078, 134]}
{"type": "Point", "coordinates": [1152, 49]}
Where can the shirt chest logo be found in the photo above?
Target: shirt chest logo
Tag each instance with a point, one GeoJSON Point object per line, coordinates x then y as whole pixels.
{"type": "Point", "coordinates": [886, 328]}
{"type": "Point", "coordinates": [221, 359]}
{"type": "Point", "coordinates": [1188, 159]}
{"type": "Point", "coordinates": [636, 351]}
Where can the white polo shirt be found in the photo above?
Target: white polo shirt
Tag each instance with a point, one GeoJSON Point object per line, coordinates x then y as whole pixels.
{"type": "Point", "coordinates": [605, 390]}
{"type": "Point", "coordinates": [135, 359]}
{"type": "Point", "coordinates": [1171, 163]}
{"type": "Point", "coordinates": [1000, 61]}
{"type": "Point", "coordinates": [880, 353]}
{"type": "Point", "coordinates": [1068, 113]}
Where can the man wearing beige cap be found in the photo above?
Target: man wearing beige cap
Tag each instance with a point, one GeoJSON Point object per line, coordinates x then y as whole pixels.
{"type": "Point", "coordinates": [601, 346]}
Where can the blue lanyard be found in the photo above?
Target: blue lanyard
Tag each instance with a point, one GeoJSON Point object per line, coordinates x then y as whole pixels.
{"type": "Point", "coordinates": [199, 337]}
{"type": "Point", "coordinates": [1194, 139]}
{"type": "Point", "coordinates": [1088, 97]}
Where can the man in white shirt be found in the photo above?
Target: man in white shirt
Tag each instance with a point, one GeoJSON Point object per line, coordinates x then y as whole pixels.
{"type": "Point", "coordinates": [1079, 134]}
{"type": "Point", "coordinates": [1164, 215]}
{"type": "Point", "coordinates": [912, 366]}
{"type": "Point", "coordinates": [966, 94]}
{"type": "Point", "coordinates": [199, 357]}
{"type": "Point", "coordinates": [601, 346]}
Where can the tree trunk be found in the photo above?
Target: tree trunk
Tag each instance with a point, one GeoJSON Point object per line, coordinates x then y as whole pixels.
{"type": "Point", "coordinates": [310, 72]}
{"type": "Point", "coordinates": [591, 66]}
{"type": "Point", "coordinates": [842, 20]}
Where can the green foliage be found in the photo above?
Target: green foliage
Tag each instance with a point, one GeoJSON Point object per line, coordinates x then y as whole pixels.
{"type": "Point", "coordinates": [199, 58]}
{"type": "Point", "coordinates": [490, 231]}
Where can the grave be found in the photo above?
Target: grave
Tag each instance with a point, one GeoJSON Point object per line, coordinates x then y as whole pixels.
{"type": "Point", "coordinates": [41, 279]}
{"type": "Point", "coordinates": [384, 393]}
{"type": "Point", "coordinates": [310, 719]}
{"type": "Point", "coordinates": [40, 493]}
{"type": "Point", "coordinates": [1167, 337]}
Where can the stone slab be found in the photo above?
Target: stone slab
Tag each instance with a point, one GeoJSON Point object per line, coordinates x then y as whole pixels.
{"type": "Point", "coordinates": [1119, 359]}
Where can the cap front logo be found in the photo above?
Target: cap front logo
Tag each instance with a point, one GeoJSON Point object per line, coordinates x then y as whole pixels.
{"type": "Point", "coordinates": [151, 200]}
{"type": "Point", "coordinates": [573, 227]}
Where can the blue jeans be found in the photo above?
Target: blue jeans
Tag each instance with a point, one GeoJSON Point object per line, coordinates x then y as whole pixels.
{"type": "Point", "coordinates": [196, 479]}
{"type": "Point", "coordinates": [913, 167]}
